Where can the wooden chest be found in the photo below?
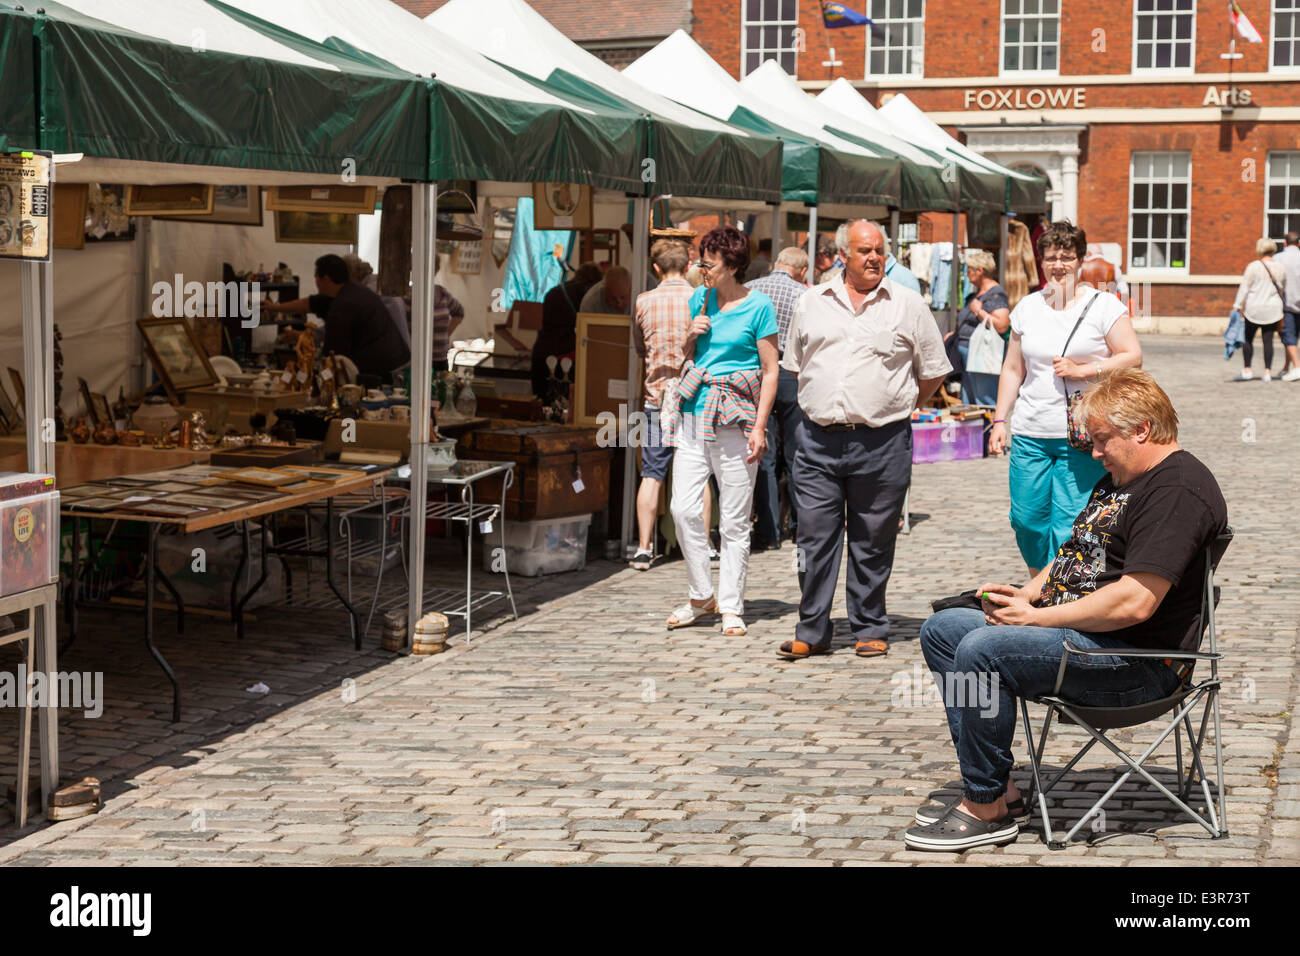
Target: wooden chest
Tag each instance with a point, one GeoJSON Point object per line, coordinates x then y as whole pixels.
{"type": "Point", "coordinates": [548, 459]}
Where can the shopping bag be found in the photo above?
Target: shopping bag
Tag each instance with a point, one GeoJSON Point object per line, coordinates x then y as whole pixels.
{"type": "Point", "coordinates": [986, 350]}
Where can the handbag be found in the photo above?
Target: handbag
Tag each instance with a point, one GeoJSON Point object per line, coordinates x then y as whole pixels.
{"type": "Point", "coordinates": [986, 350]}
{"type": "Point", "coordinates": [1280, 294]}
{"type": "Point", "coordinates": [1076, 432]}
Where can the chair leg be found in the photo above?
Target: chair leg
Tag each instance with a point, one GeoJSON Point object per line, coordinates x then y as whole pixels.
{"type": "Point", "coordinates": [1218, 764]}
{"type": "Point", "coordinates": [1178, 755]}
{"type": "Point", "coordinates": [1034, 755]}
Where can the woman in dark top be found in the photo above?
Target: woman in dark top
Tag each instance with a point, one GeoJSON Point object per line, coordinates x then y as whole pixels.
{"type": "Point", "coordinates": [988, 303]}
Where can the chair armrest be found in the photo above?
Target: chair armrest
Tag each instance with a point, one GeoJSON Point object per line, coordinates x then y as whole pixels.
{"type": "Point", "coordinates": [1140, 652]}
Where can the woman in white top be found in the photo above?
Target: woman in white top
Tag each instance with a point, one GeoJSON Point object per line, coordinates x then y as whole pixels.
{"type": "Point", "coordinates": [1050, 480]}
{"type": "Point", "coordinates": [1259, 302]}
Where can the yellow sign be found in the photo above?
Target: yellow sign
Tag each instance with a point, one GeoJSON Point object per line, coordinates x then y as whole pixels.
{"type": "Point", "coordinates": [25, 204]}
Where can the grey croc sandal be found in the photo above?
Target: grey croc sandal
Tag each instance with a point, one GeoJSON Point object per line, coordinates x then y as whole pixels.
{"type": "Point", "coordinates": [934, 812]}
{"type": "Point", "coordinates": [958, 831]}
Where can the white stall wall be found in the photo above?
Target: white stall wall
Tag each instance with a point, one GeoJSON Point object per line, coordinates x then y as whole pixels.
{"type": "Point", "coordinates": [92, 307]}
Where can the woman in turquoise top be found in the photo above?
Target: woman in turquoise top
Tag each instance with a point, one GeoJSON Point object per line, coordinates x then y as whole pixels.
{"type": "Point", "coordinates": [726, 393]}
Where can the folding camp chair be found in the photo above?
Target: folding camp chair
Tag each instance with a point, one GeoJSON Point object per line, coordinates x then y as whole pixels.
{"type": "Point", "coordinates": [1097, 720]}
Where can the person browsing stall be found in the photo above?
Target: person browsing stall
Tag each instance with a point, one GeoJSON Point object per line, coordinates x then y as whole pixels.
{"type": "Point", "coordinates": [867, 352]}
{"type": "Point", "coordinates": [357, 323]}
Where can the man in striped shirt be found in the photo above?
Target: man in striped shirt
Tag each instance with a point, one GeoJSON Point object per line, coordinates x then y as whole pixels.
{"type": "Point", "coordinates": [784, 285]}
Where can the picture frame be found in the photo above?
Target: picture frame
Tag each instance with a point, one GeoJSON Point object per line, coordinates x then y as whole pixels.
{"type": "Point", "coordinates": [87, 400]}
{"type": "Point", "coordinates": [320, 228]}
{"type": "Point", "coordinates": [600, 367]}
{"type": "Point", "coordinates": [176, 355]}
{"type": "Point", "coordinates": [561, 206]}
{"type": "Point", "coordinates": [103, 413]}
{"type": "Point", "coordinates": [69, 228]}
{"type": "Point", "coordinates": [170, 199]}
{"type": "Point", "coordinates": [106, 218]}
{"type": "Point", "coordinates": [9, 416]}
{"type": "Point", "coordinates": [20, 389]}
{"type": "Point", "coordinates": [231, 206]}
{"type": "Point", "coordinates": [326, 198]}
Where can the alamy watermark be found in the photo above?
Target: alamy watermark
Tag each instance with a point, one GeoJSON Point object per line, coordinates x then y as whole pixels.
{"type": "Point", "coordinates": [917, 688]}
{"type": "Point", "coordinates": [71, 689]}
{"type": "Point", "coordinates": [223, 300]}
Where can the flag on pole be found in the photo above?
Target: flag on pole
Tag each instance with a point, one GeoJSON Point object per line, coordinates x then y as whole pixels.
{"type": "Point", "coordinates": [1245, 28]}
{"type": "Point", "coordinates": [836, 16]}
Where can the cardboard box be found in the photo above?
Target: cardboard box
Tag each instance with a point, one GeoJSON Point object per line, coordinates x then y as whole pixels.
{"type": "Point", "coordinates": [369, 438]}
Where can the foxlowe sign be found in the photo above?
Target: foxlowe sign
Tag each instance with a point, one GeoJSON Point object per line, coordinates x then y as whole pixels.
{"type": "Point", "coordinates": [1059, 97]}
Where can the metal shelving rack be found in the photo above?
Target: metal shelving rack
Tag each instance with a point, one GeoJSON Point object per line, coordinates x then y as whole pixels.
{"type": "Point", "coordinates": [463, 475]}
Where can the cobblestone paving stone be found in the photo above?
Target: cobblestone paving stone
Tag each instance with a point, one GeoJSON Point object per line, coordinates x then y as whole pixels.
{"type": "Point", "coordinates": [586, 733]}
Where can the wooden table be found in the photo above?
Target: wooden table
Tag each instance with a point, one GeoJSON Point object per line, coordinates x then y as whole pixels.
{"type": "Point", "coordinates": [212, 519]}
{"type": "Point", "coordinates": [77, 464]}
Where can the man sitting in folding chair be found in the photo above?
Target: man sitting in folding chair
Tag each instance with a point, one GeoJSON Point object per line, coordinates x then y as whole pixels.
{"type": "Point", "coordinates": [1132, 575]}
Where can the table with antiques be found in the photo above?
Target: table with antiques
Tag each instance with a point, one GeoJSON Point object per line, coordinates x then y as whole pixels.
{"type": "Point", "coordinates": [198, 498]}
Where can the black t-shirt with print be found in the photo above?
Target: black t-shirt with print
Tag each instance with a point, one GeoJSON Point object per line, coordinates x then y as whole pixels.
{"type": "Point", "coordinates": [1158, 523]}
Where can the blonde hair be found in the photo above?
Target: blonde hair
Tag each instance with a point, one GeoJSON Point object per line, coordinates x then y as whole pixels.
{"type": "Point", "coordinates": [1126, 399]}
{"type": "Point", "coordinates": [1265, 247]}
{"type": "Point", "coordinates": [670, 255]}
{"type": "Point", "coordinates": [983, 260]}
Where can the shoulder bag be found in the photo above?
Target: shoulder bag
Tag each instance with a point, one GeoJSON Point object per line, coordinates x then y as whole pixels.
{"type": "Point", "coordinates": [1076, 432]}
{"type": "Point", "coordinates": [1280, 294]}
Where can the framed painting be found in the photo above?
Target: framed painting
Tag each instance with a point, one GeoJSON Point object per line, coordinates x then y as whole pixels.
{"type": "Point", "coordinates": [69, 230]}
{"type": "Point", "coordinates": [232, 206]}
{"type": "Point", "coordinates": [172, 199]}
{"type": "Point", "coordinates": [561, 206]}
{"type": "Point", "coordinates": [338, 199]}
{"type": "Point", "coordinates": [600, 382]}
{"type": "Point", "coordinates": [322, 228]}
{"type": "Point", "coordinates": [176, 355]}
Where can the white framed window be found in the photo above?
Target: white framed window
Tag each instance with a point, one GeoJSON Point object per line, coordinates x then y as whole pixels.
{"type": "Point", "coordinates": [1031, 36]}
{"type": "Point", "coordinates": [1282, 194]}
{"type": "Point", "coordinates": [1284, 38]}
{"type": "Point", "coordinates": [897, 46]}
{"type": "Point", "coordinates": [1160, 207]}
{"type": "Point", "coordinates": [1164, 36]}
{"type": "Point", "coordinates": [767, 32]}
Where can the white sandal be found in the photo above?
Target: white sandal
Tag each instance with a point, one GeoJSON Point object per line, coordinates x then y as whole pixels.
{"type": "Point", "coordinates": [733, 626]}
{"type": "Point", "coordinates": [688, 614]}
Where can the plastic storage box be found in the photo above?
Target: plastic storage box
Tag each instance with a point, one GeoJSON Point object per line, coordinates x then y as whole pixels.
{"type": "Point", "coordinates": [947, 441]}
{"type": "Point", "coordinates": [539, 547]}
{"type": "Point", "coordinates": [29, 542]}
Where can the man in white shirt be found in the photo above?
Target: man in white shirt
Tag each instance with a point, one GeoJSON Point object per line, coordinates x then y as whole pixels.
{"type": "Point", "coordinates": [1289, 260]}
{"type": "Point", "coordinates": [866, 351]}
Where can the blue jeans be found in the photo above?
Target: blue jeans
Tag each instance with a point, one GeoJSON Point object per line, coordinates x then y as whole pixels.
{"type": "Point", "coordinates": [1050, 484]}
{"type": "Point", "coordinates": [981, 670]}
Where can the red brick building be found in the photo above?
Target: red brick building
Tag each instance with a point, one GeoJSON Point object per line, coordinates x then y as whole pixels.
{"type": "Point", "coordinates": [1126, 106]}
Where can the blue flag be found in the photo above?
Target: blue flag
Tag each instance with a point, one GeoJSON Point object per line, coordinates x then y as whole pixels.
{"type": "Point", "coordinates": [836, 16]}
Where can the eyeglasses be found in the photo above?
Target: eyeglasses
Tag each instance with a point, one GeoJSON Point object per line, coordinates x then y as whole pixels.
{"type": "Point", "coordinates": [1052, 260]}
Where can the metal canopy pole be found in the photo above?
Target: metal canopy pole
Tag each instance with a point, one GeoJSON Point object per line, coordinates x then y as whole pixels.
{"type": "Point", "coordinates": [424, 216]}
{"type": "Point", "coordinates": [640, 265]}
{"type": "Point", "coordinates": [895, 247]}
{"type": "Point", "coordinates": [1004, 221]}
{"type": "Point", "coordinates": [812, 243]}
{"type": "Point", "coordinates": [776, 230]}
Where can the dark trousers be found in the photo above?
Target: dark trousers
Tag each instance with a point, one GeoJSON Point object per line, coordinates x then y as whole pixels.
{"type": "Point", "coordinates": [855, 480]}
{"type": "Point", "coordinates": [781, 443]}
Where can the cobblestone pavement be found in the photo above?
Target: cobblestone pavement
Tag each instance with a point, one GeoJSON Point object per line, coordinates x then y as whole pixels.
{"type": "Point", "coordinates": [587, 733]}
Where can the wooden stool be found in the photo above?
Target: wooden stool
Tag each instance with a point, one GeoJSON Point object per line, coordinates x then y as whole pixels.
{"type": "Point", "coordinates": [39, 604]}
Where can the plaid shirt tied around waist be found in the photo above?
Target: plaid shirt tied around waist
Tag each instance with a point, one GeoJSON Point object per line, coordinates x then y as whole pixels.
{"type": "Point", "coordinates": [732, 400]}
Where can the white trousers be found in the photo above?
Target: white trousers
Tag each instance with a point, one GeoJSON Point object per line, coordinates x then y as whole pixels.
{"type": "Point", "coordinates": [693, 462]}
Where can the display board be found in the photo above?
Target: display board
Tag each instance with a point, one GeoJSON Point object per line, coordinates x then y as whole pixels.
{"type": "Point", "coordinates": [600, 381]}
{"type": "Point", "coordinates": [25, 204]}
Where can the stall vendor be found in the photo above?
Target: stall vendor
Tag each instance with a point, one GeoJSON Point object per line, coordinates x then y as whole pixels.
{"type": "Point", "coordinates": [357, 323]}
